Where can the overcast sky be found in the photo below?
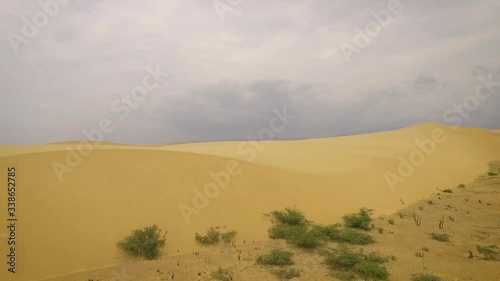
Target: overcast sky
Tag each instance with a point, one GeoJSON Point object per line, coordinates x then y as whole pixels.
{"type": "Point", "coordinates": [230, 66]}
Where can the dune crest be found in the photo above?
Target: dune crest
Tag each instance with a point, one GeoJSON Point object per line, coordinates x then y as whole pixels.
{"type": "Point", "coordinates": [74, 224]}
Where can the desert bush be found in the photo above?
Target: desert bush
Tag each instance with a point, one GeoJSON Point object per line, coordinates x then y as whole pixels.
{"type": "Point", "coordinates": [212, 237]}
{"type": "Point", "coordinates": [447, 190]}
{"type": "Point", "coordinates": [440, 237]}
{"type": "Point", "coordinates": [222, 274]}
{"type": "Point", "coordinates": [309, 239]}
{"type": "Point", "coordinates": [492, 174]}
{"type": "Point", "coordinates": [146, 243]}
{"type": "Point", "coordinates": [425, 277]}
{"type": "Point", "coordinates": [290, 216]}
{"type": "Point", "coordinates": [277, 257]}
{"type": "Point", "coordinates": [489, 252]}
{"type": "Point", "coordinates": [359, 220]}
{"type": "Point", "coordinates": [287, 273]}
{"type": "Point", "coordinates": [228, 237]}
{"type": "Point", "coordinates": [367, 267]}
{"type": "Point", "coordinates": [461, 185]}
{"type": "Point", "coordinates": [391, 222]}
{"type": "Point", "coordinates": [355, 237]}
{"type": "Point", "coordinates": [287, 232]}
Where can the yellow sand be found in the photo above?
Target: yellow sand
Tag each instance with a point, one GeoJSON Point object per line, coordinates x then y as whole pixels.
{"type": "Point", "coordinates": [74, 224]}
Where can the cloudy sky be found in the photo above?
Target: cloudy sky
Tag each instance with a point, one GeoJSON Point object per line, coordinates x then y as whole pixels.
{"type": "Point", "coordinates": [231, 62]}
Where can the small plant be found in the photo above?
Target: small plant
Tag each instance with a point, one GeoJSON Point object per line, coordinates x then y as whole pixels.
{"type": "Point", "coordinates": [146, 243]}
{"type": "Point", "coordinates": [290, 217]}
{"type": "Point", "coordinates": [425, 277]}
{"type": "Point", "coordinates": [461, 185]}
{"type": "Point", "coordinates": [354, 237]}
{"type": "Point", "coordinates": [490, 252]}
{"type": "Point", "coordinates": [391, 222]}
{"type": "Point", "coordinates": [492, 174]}
{"type": "Point", "coordinates": [393, 257]}
{"type": "Point", "coordinates": [277, 257]}
{"type": "Point", "coordinates": [419, 254]}
{"type": "Point", "coordinates": [440, 237]}
{"type": "Point", "coordinates": [361, 220]}
{"type": "Point", "coordinates": [401, 215]}
{"type": "Point", "coordinates": [417, 219]}
{"type": "Point", "coordinates": [228, 237]}
{"type": "Point", "coordinates": [367, 267]}
{"type": "Point", "coordinates": [421, 208]}
{"type": "Point", "coordinates": [430, 202]}
{"type": "Point", "coordinates": [448, 190]}
{"type": "Point", "coordinates": [222, 274]}
{"type": "Point", "coordinates": [211, 238]}
{"type": "Point", "coordinates": [380, 230]}
{"type": "Point", "coordinates": [287, 273]}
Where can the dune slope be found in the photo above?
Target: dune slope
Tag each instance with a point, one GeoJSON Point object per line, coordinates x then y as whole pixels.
{"type": "Point", "coordinates": [74, 224]}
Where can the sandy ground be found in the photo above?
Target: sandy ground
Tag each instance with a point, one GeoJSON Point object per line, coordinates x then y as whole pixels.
{"type": "Point", "coordinates": [72, 225]}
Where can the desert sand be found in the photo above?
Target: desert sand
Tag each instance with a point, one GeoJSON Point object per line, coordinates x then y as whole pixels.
{"type": "Point", "coordinates": [68, 229]}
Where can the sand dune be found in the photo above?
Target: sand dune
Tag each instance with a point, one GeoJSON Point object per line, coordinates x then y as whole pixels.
{"type": "Point", "coordinates": [74, 224]}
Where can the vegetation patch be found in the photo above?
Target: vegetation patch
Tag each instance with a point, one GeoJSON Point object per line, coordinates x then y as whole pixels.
{"type": "Point", "coordinates": [448, 190]}
{"type": "Point", "coordinates": [366, 267]}
{"type": "Point", "coordinates": [214, 236]}
{"type": "Point", "coordinates": [228, 237]}
{"type": "Point", "coordinates": [143, 243]}
{"type": "Point", "coordinates": [361, 220]}
{"type": "Point", "coordinates": [490, 252]}
{"type": "Point", "coordinates": [292, 226]}
{"type": "Point", "coordinates": [440, 237]}
{"type": "Point", "coordinates": [277, 257]}
{"type": "Point", "coordinates": [222, 274]}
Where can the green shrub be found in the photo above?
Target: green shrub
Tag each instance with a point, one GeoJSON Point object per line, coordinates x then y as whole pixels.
{"type": "Point", "coordinates": [146, 243]}
{"type": "Point", "coordinates": [367, 267]}
{"type": "Point", "coordinates": [277, 257]}
{"type": "Point", "coordinates": [355, 237]}
{"type": "Point", "coordinates": [489, 252]}
{"type": "Point", "coordinates": [211, 238]}
{"type": "Point", "coordinates": [360, 220]}
{"type": "Point", "coordinates": [309, 239]}
{"type": "Point", "coordinates": [440, 237]}
{"type": "Point", "coordinates": [289, 216]}
{"type": "Point", "coordinates": [222, 275]}
{"type": "Point", "coordinates": [374, 257]}
{"type": "Point", "coordinates": [285, 231]}
{"type": "Point", "coordinates": [371, 271]}
{"type": "Point", "coordinates": [292, 226]}
{"type": "Point", "coordinates": [448, 190]}
{"type": "Point", "coordinates": [425, 277]}
{"type": "Point", "coordinates": [287, 273]}
{"type": "Point", "coordinates": [331, 232]}
{"type": "Point", "coordinates": [228, 237]}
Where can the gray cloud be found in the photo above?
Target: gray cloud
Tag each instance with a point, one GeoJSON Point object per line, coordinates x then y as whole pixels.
{"type": "Point", "coordinates": [425, 83]}
{"type": "Point", "coordinates": [228, 75]}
